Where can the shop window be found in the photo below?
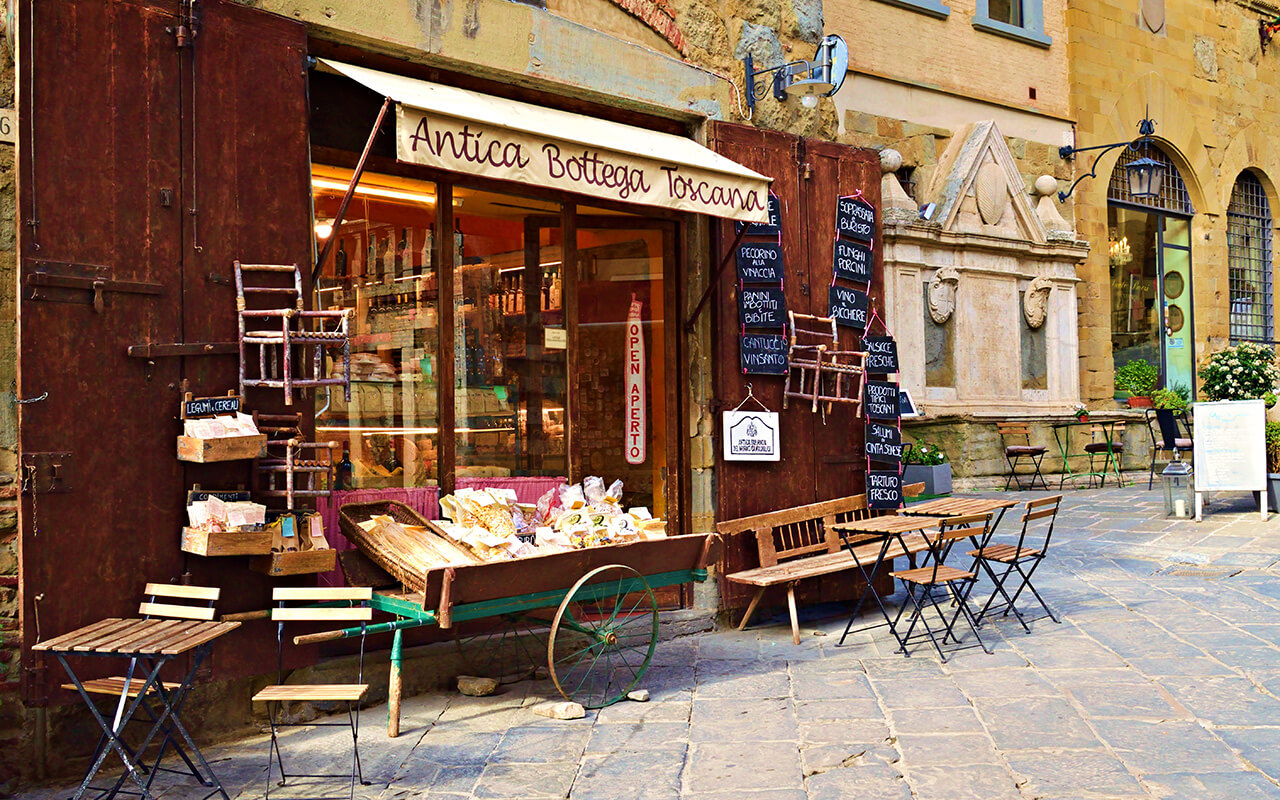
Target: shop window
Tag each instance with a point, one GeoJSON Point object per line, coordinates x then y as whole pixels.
{"type": "Point", "coordinates": [1035, 373]}
{"type": "Point", "coordinates": [382, 269]}
{"type": "Point", "coordinates": [939, 350]}
{"type": "Point", "coordinates": [1022, 20]}
{"type": "Point", "coordinates": [1249, 260]}
{"type": "Point", "coordinates": [510, 339]}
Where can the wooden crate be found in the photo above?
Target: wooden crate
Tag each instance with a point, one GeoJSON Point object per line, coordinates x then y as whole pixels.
{"type": "Point", "coordinates": [224, 448]}
{"type": "Point", "coordinates": [226, 543]}
{"type": "Point", "coordinates": [297, 562]}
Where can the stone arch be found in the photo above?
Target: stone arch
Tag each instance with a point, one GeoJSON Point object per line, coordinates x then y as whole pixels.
{"type": "Point", "coordinates": [1176, 131]}
{"type": "Point", "coordinates": [1251, 149]}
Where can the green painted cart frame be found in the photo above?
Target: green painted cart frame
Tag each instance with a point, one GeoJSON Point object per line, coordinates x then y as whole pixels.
{"type": "Point", "coordinates": [601, 636]}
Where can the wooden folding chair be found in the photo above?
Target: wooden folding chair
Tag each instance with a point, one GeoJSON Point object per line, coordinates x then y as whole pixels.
{"type": "Point", "coordinates": [1022, 558]}
{"type": "Point", "coordinates": [161, 601]}
{"type": "Point", "coordinates": [936, 583]}
{"type": "Point", "coordinates": [335, 605]}
{"type": "Point", "coordinates": [822, 372]}
{"type": "Point", "coordinates": [1020, 434]}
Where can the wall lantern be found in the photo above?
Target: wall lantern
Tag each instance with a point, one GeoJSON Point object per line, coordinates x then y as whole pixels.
{"type": "Point", "coordinates": [1145, 174]}
{"type": "Point", "coordinates": [808, 80]}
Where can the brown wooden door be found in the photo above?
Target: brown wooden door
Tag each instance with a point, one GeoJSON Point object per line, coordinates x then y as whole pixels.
{"type": "Point", "coordinates": [109, 169]}
{"type": "Point", "coordinates": [822, 455]}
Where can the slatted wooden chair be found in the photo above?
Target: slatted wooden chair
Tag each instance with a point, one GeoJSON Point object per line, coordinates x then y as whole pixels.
{"type": "Point", "coordinates": [1021, 558]}
{"type": "Point", "coordinates": [935, 584]}
{"type": "Point", "coordinates": [823, 373]}
{"type": "Point", "coordinates": [1015, 437]}
{"type": "Point", "coordinates": [1110, 447]}
{"type": "Point", "coordinates": [283, 325]}
{"type": "Point", "coordinates": [168, 602]}
{"type": "Point", "coordinates": [319, 605]}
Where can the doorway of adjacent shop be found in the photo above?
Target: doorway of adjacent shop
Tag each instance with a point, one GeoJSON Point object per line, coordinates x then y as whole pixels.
{"type": "Point", "coordinates": [1149, 253]}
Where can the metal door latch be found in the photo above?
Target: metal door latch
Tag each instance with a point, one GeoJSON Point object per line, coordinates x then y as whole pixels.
{"type": "Point", "coordinates": [46, 473]}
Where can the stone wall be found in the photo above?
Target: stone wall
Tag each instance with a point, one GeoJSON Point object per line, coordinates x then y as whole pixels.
{"type": "Point", "coordinates": [1204, 77]}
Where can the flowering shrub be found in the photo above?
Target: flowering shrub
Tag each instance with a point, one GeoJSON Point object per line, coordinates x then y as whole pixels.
{"type": "Point", "coordinates": [1244, 372]}
{"type": "Point", "coordinates": [929, 455]}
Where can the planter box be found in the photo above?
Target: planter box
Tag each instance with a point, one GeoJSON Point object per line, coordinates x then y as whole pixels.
{"type": "Point", "coordinates": [937, 479]}
{"type": "Point", "coordinates": [1273, 492]}
{"type": "Point", "coordinates": [224, 448]}
{"type": "Point", "coordinates": [226, 543]}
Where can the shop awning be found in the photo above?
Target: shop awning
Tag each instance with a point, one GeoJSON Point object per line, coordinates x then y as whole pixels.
{"type": "Point", "coordinates": [478, 134]}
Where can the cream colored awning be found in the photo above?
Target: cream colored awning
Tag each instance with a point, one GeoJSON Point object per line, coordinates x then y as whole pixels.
{"type": "Point", "coordinates": [478, 134]}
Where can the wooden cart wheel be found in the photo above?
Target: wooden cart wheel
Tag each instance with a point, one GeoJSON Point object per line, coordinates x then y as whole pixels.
{"type": "Point", "coordinates": [509, 648]}
{"type": "Point", "coordinates": [603, 636]}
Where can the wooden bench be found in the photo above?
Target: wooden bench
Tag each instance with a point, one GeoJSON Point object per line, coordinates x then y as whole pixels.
{"type": "Point", "coordinates": [799, 543]}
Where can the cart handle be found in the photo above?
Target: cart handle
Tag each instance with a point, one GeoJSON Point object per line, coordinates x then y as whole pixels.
{"type": "Point", "coordinates": [246, 616]}
{"type": "Point", "coordinates": [316, 638]}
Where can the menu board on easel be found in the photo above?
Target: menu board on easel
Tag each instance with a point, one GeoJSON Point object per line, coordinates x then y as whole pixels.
{"type": "Point", "coordinates": [1229, 449]}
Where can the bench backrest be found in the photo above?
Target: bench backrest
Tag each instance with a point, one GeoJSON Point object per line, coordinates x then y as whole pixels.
{"type": "Point", "coordinates": [804, 530]}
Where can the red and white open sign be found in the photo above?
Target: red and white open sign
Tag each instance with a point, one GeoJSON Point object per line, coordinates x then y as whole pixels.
{"type": "Point", "coordinates": [636, 437]}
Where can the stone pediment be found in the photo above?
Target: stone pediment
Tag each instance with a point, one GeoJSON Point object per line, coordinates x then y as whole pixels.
{"type": "Point", "coordinates": [978, 188]}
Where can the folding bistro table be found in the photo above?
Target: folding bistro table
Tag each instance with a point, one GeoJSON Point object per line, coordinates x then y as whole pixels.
{"type": "Point", "coordinates": [889, 530]}
{"type": "Point", "coordinates": [149, 644]}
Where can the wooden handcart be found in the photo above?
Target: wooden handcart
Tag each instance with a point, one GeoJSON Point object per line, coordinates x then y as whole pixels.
{"type": "Point", "coordinates": [590, 616]}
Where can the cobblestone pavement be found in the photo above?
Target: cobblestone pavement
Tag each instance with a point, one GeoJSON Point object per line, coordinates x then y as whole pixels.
{"type": "Point", "coordinates": [1162, 681]}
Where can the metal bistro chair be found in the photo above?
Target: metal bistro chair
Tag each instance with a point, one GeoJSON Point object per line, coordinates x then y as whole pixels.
{"type": "Point", "coordinates": [169, 602]}
{"type": "Point", "coordinates": [1110, 448]}
{"type": "Point", "coordinates": [932, 585]}
{"type": "Point", "coordinates": [335, 605]}
{"type": "Point", "coordinates": [1165, 428]}
{"type": "Point", "coordinates": [1014, 453]}
{"type": "Point", "coordinates": [1022, 558]}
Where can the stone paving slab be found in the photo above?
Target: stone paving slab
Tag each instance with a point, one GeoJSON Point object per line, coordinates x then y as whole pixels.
{"type": "Point", "coordinates": [1162, 682]}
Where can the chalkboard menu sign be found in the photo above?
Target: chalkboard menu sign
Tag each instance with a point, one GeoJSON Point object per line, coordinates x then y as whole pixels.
{"type": "Point", "coordinates": [853, 261]}
{"type": "Point", "coordinates": [884, 489]}
{"type": "Point", "coordinates": [210, 406]}
{"type": "Point", "coordinates": [884, 443]}
{"type": "Point", "coordinates": [763, 354]}
{"type": "Point", "coordinates": [848, 307]}
{"type": "Point", "coordinates": [771, 228]}
{"type": "Point", "coordinates": [882, 400]}
{"type": "Point", "coordinates": [882, 353]}
{"type": "Point", "coordinates": [763, 307]}
{"type": "Point", "coordinates": [855, 218]}
{"type": "Point", "coordinates": [197, 495]}
{"type": "Point", "coordinates": [760, 263]}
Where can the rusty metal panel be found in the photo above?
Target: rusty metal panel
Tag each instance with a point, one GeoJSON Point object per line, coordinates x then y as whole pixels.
{"type": "Point", "coordinates": [99, 92]}
{"type": "Point", "coordinates": [112, 104]}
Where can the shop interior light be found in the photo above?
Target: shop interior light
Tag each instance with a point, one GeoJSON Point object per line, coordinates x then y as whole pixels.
{"type": "Point", "coordinates": [374, 191]}
{"type": "Point", "coordinates": [324, 229]}
{"type": "Point", "coordinates": [807, 80]}
{"type": "Point", "coordinates": [1145, 174]}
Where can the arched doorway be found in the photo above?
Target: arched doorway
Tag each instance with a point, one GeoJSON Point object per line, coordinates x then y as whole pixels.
{"type": "Point", "coordinates": [1149, 242]}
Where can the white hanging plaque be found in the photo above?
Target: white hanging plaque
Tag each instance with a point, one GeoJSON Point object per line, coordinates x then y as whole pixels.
{"type": "Point", "coordinates": [751, 436]}
{"type": "Point", "coordinates": [636, 437]}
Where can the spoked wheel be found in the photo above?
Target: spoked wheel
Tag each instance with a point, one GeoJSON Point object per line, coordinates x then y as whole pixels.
{"type": "Point", "coordinates": [509, 648]}
{"type": "Point", "coordinates": [603, 636]}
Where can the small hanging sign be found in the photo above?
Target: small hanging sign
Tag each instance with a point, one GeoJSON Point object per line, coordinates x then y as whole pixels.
{"type": "Point", "coordinates": [882, 353]}
{"type": "Point", "coordinates": [209, 406]}
{"type": "Point", "coordinates": [883, 443]}
{"type": "Point", "coordinates": [855, 218]}
{"type": "Point", "coordinates": [771, 228]}
{"type": "Point", "coordinates": [760, 263]}
{"type": "Point", "coordinates": [884, 489]}
{"type": "Point", "coordinates": [882, 400]}
{"type": "Point", "coordinates": [763, 354]}
{"type": "Point", "coordinates": [764, 307]}
{"type": "Point", "coordinates": [636, 437]}
{"type": "Point", "coordinates": [853, 261]}
{"type": "Point", "coordinates": [848, 307]}
{"type": "Point", "coordinates": [751, 435]}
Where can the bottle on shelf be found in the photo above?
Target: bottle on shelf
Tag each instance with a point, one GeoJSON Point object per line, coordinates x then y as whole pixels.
{"type": "Point", "coordinates": [402, 250]}
{"type": "Point", "coordinates": [344, 471]}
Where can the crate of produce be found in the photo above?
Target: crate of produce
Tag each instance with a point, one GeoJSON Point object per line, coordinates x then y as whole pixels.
{"type": "Point", "coordinates": [225, 543]}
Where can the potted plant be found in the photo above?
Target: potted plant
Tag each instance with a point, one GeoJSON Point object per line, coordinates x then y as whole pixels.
{"type": "Point", "coordinates": [1081, 412]}
{"type": "Point", "coordinates": [926, 462]}
{"type": "Point", "coordinates": [1244, 372]}
{"type": "Point", "coordinates": [1273, 466]}
{"type": "Point", "coordinates": [1139, 378]}
{"type": "Point", "coordinates": [1170, 400]}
